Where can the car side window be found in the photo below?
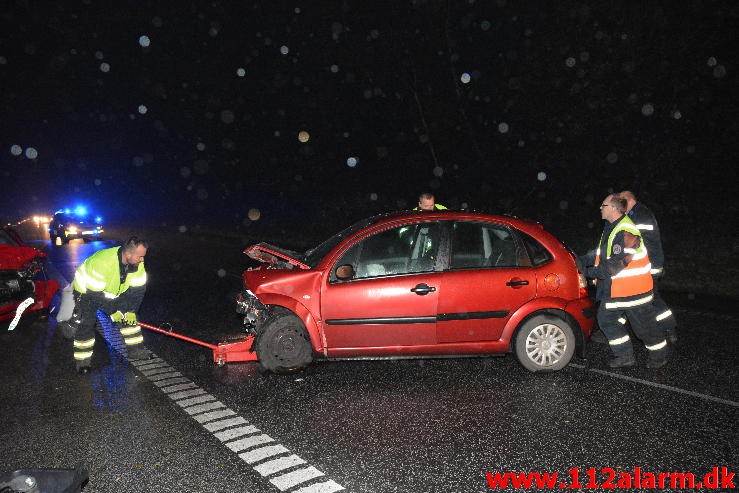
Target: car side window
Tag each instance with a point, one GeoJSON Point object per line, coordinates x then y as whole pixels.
{"type": "Point", "coordinates": [401, 250]}
{"type": "Point", "coordinates": [536, 253]}
{"type": "Point", "coordinates": [479, 245]}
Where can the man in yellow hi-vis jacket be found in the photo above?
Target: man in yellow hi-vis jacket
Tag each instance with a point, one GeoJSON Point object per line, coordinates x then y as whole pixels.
{"type": "Point", "coordinates": [114, 281]}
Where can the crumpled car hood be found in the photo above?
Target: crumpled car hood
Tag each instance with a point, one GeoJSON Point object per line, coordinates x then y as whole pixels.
{"type": "Point", "coordinates": [273, 255]}
{"type": "Point", "coordinates": [15, 257]}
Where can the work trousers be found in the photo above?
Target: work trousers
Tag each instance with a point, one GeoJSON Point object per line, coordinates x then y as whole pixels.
{"type": "Point", "coordinates": [85, 319]}
{"type": "Point", "coordinates": [643, 322]}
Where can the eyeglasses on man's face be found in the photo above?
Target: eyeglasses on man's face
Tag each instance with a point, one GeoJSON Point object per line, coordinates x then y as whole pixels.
{"type": "Point", "coordinates": [605, 205]}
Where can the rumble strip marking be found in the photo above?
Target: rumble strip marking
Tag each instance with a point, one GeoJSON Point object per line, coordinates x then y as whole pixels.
{"type": "Point", "coordinates": [267, 457]}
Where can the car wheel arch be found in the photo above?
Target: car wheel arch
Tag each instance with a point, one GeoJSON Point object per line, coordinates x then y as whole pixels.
{"type": "Point", "coordinates": [289, 306]}
{"type": "Point", "coordinates": [568, 322]}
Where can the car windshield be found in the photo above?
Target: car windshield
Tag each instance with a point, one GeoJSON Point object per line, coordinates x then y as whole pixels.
{"type": "Point", "coordinates": [314, 255]}
{"type": "Point", "coordinates": [7, 239]}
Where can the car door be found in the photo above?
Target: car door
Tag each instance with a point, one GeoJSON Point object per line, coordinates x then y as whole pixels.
{"type": "Point", "coordinates": [488, 278]}
{"type": "Point", "coordinates": [391, 299]}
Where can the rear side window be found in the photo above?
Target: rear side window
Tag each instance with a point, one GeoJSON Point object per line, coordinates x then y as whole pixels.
{"type": "Point", "coordinates": [479, 245]}
{"type": "Point", "coordinates": [536, 251]}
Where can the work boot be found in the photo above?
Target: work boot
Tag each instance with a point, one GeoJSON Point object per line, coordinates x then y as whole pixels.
{"type": "Point", "coordinates": [622, 361]}
{"type": "Point", "coordinates": [598, 337]}
{"type": "Point", "coordinates": [83, 366]}
{"type": "Point", "coordinates": [139, 352]}
{"type": "Point", "coordinates": [67, 330]}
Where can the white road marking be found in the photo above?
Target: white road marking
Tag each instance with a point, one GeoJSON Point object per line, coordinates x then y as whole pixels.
{"type": "Point", "coordinates": [279, 464]}
{"type": "Point", "coordinates": [262, 453]}
{"type": "Point", "coordinates": [294, 478]}
{"type": "Point", "coordinates": [662, 386]}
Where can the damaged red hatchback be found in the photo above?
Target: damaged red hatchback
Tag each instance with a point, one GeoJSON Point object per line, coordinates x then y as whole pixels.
{"type": "Point", "coordinates": [419, 284]}
{"type": "Point", "coordinates": [24, 285]}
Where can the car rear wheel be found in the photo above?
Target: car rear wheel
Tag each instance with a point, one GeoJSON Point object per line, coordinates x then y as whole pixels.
{"type": "Point", "coordinates": [545, 343]}
{"type": "Point", "coordinates": [284, 345]}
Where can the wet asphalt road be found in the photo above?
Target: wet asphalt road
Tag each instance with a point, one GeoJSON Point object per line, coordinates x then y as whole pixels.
{"type": "Point", "coordinates": [180, 423]}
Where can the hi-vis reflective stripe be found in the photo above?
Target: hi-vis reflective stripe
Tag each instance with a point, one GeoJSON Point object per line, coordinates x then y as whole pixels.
{"type": "Point", "coordinates": [664, 315]}
{"type": "Point", "coordinates": [137, 281]}
{"type": "Point", "coordinates": [657, 346]}
{"type": "Point", "coordinates": [619, 341]}
{"type": "Point", "coordinates": [80, 355]}
{"type": "Point", "coordinates": [129, 331]}
{"type": "Point", "coordinates": [655, 271]}
{"type": "Point", "coordinates": [85, 343]}
{"type": "Point", "coordinates": [622, 320]}
{"type": "Point", "coordinates": [628, 304]}
{"type": "Point", "coordinates": [636, 271]}
{"type": "Point", "coordinates": [110, 296]}
{"type": "Point", "coordinates": [130, 341]}
{"type": "Point", "coordinates": [648, 227]}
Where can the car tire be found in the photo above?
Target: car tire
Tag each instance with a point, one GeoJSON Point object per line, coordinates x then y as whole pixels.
{"type": "Point", "coordinates": [284, 345]}
{"type": "Point", "coordinates": [545, 343]}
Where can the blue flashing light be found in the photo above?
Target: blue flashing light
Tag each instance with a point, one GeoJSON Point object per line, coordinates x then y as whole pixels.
{"type": "Point", "coordinates": [98, 219]}
{"type": "Point", "coordinates": [80, 210]}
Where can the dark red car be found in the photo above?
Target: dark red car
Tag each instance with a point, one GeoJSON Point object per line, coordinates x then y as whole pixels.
{"type": "Point", "coordinates": [22, 276]}
{"type": "Point", "coordinates": [419, 284]}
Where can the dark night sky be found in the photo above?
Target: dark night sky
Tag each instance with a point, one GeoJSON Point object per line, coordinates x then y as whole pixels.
{"type": "Point", "coordinates": [192, 110]}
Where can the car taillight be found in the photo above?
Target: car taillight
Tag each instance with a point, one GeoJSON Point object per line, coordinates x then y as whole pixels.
{"type": "Point", "coordinates": [583, 284]}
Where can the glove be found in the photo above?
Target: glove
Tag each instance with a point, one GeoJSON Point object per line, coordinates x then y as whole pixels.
{"type": "Point", "coordinates": [130, 319]}
{"type": "Point", "coordinates": [117, 317]}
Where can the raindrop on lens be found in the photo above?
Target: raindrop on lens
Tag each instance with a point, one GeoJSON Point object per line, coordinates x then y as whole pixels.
{"type": "Point", "coordinates": [352, 162]}
{"type": "Point", "coordinates": [31, 153]}
{"type": "Point", "coordinates": [503, 127]}
{"type": "Point", "coordinates": [647, 109]}
{"type": "Point", "coordinates": [612, 158]}
{"type": "Point", "coordinates": [221, 272]}
{"type": "Point", "coordinates": [465, 78]}
{"type": "Point", "coordinates": [105, 67]}
{"type": "Point", "coordinates": [144, 41]}
{"type": "Point", "coordinates": [541, 176]}
{"type": "Point", "coordinates": [142, 109]}
{"type": "Point", "coordinates": [254, 214]}
{"type": "Point", "coordinates": [240, 72]}
{"type": "Point", "coordinates": [303, 136]}
{"type": "Point", "coordinates": [373, 196]}
{"type": "Point", "coordinates": [16, 150]}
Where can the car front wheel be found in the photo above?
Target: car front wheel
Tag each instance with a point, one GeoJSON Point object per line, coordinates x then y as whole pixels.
{"type": "Point", "coordinates": [284, 345]}
{"type": "Point", "coordinates": [545, 343]}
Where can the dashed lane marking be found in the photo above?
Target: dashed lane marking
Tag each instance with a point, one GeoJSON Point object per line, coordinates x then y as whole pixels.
{"type": "Point", "coordinates": [283, 469]}
{"type": "Point", "coordinates": [662, 386]}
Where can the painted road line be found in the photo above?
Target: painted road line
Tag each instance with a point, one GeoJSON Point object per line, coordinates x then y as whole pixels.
{"type": "Point", "coordinates": [186, 393]}
{"type": "Point", "coordinates": [249, 442]}
{"type": "Point", "coordinates": [262, 453]}
{"type": "Point", "coordinates": [294, 478]}
{"type": "Point", "coordinates": [325, 487]}
{"type": "Point", "coordinates": [268, 458]}
{"type": "Point", "coordinates": [213, 415]}
{"type": "Point", "coordinates": [280, 464]}
{"type": "Point", "coordinates": [662, 386]}
{"type": "Point", "coordinates": [196, 400]}
{"type": "Point", "coordinates": [224, 423]}
{"type": "Point", "coordinates": [232, 433]}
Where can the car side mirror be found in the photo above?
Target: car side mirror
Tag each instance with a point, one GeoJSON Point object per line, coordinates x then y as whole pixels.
{"type": "Point", "coordinates": [344, 272]}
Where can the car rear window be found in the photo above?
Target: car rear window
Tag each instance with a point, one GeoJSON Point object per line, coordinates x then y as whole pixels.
{"type": "Point", "coordinates": [537, 253]}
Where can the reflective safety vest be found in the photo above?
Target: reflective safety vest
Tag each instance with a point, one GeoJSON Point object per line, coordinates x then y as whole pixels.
{"type": "Point", "coordinates": [633, 285]}
{"type": "Point", "coordinates": [437, 207]}
{"type": "Point", "coordinates": [101, 273]}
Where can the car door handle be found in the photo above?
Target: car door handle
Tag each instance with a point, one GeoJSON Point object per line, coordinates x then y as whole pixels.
{"type": "Point", "coordinates": [517, 283]}
{"type": "Point", "coordinates": [423, 289]}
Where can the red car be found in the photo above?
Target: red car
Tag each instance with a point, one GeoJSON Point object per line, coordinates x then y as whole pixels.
{"type": "Point", "coordinates": [22, 277]}
{"type": "Point", "coordinates": [419, 284]}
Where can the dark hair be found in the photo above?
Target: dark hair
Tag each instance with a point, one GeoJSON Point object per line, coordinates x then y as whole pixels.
{"type": "Point", "coordinates": [134, 242]}
{"type": "Point", "coordinates": [425, 195]}
{"type": "Point", "coordinates": [619, 203]}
